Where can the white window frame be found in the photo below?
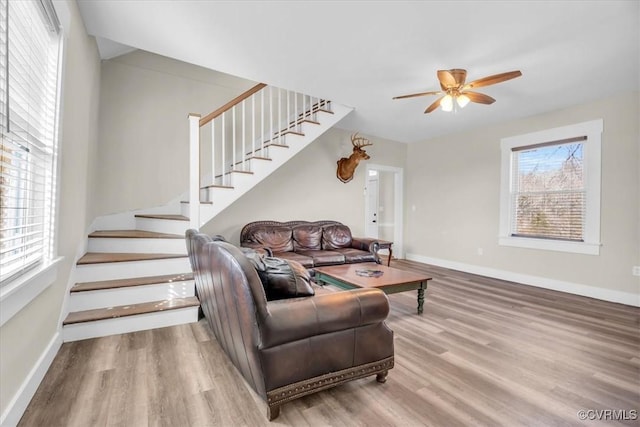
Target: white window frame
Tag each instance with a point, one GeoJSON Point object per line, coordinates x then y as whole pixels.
{"type": "Point", "coordinates": [16, 293]}
{"type": "Point", "coordinates": [592, 166]}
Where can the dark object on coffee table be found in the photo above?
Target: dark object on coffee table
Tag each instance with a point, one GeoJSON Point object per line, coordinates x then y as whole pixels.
{"type": "Point", "coordinates": [369, 273]}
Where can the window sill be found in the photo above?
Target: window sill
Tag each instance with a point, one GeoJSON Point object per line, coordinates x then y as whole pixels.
{"type": "Point", "coordinates": [551, 245]}
{"type": "Point", "coordinates": [15, 295]}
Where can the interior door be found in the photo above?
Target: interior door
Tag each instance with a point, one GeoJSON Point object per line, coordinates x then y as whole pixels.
{"type": "Point", "coordinates": [371, 226]}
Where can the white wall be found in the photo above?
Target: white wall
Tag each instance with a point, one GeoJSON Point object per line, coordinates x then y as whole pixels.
{"type": "Point", "coordinates": [26, 337]}
{"type": "Point", "coordinates": [454, 184]}
{"type": "Point", "coordinates": [306, 188]}
{"type": "Point", "coordinates": [144, 134]}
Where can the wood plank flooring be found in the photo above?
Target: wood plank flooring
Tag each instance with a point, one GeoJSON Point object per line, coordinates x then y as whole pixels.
{"type": "Point", "coordinates": [485, 353]}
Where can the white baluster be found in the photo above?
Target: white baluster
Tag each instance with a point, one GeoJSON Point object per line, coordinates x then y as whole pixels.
{"type": "Point", "coordinates": [253, 125]}
{"type": "Point", "coordinates": [295, 108]}
{"type": "Point", "coordinates": [279, 115]}
{"type": "Point", "coordinates": [307, 113]}
{"type": "Point", "coordinates": [194, 171]}
{"type": "Point", "coordinates": [213, 151]}
{"type": "Point", "coordinates": [244, 147]}
{"type": "Point", "coordinates": [271, 115]}
{"type": "Point", "coordinates": [233, 138]}
{"type": "Point", "coordinates": [262, 123]}
{"type": "Point", "coordinates": [288, 110]}
{"type": "Point", "coordinates": [224, 143]}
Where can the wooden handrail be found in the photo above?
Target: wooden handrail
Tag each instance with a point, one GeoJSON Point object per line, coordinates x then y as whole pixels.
{"type": "Point", "coordinates": [206, 119]}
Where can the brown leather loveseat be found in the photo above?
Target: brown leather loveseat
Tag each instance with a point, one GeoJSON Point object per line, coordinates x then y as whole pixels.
{"type": "Point", "coordinates": [288, 348]}
{"type": "Point", "coordinates": [312, 244]}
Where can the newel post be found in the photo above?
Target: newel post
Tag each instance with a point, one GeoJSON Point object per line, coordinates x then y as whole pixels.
{"type": "Point", "coordinates": [194, 171]}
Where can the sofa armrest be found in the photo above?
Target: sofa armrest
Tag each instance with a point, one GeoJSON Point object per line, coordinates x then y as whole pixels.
{"type": "Point", "coordinates": [292, 320]}
{"type": "Point", "coordinates": [366, 244]}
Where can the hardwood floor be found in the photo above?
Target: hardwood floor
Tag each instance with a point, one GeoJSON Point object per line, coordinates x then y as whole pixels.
{"type": "Point", "coordinates": [485, 353]}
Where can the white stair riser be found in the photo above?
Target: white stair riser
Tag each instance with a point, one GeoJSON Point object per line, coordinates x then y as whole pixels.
{"type": "Point", "coordinates": [104, 298]}
{"type": "Point", "coordinates": [162, 225]}
{"type": "Point", "coordinates": [136, 245]}
{"type": "Point", "coordinates": [129, 269]}
{"type": "Point", "coordinates": [123, 325]}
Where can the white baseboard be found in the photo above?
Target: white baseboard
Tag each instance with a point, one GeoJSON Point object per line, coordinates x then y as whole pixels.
{"type": "Point", "coordinates": [610, 295]}
{"type": "Point", "coordinates": [11, 416]}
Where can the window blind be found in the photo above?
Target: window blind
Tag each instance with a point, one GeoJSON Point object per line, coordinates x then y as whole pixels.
{"type": "Point", "coordinates": [548, 190]}
{"type": "Point", "coordinates": [29, 56]}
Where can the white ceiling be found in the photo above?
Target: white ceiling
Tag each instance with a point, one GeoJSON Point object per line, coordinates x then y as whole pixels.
{"type": "Point", "coordinates": [362, 53]}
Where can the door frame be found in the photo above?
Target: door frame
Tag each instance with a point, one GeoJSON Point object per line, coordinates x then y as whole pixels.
{"type": "Point", "coordinates": [398, 199]}
{"type": "Point", "coordinates": [368, 207]}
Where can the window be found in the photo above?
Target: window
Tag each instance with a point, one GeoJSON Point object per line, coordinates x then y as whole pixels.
{"type": "Point", "coordinates": [29, 61]}
{"type": "Point", "coordinates": [550, 189]}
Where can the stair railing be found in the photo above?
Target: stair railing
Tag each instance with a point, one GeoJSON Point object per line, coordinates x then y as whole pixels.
{"type": "Point", "coordinates": [242, 129]}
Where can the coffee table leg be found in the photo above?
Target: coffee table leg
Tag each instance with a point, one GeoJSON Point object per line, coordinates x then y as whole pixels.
{"type": "Point", "coordinates": [421, 297]}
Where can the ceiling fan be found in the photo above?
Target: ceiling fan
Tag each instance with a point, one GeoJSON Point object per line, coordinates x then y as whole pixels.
{"type": "Point", "coordinates": [456, 92]}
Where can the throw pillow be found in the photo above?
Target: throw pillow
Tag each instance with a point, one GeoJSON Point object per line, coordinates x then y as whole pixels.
{"type": "Point", "coordinates": [285, 279]}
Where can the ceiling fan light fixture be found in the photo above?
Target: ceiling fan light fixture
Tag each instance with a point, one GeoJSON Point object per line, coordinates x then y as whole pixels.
{"type": "Point", "coordinates": [447, 103]}
{"type": "Point", "coordinates": [454, 94]}
{"type": "Point", "coordinates": [462, 100]}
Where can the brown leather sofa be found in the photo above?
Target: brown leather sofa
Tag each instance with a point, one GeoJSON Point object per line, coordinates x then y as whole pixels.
{"type": "Point", "coordinates": [312, 244]}
{"type": "Point", "coordinates": [289, 348]}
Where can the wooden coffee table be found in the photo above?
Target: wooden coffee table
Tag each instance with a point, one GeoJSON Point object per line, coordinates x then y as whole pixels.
{"type": "Point", "coordinates": [391, 281]}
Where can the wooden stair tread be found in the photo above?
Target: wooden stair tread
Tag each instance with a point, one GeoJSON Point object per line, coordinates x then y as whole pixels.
{"type": "Point", "coordinates": [106, 257]}
{"type": "Point", "coordinates": [135, 281]}
{"type": "Point", "coordinates": [268, 144]}
{"type": "Point", "coordinates": [250, 157]}
{"type": "Point", "coordinates": [135, 234]}
{"type": "Point", "coordinates": [293, 132]}
{"type": "Point", "coordinates": [201, 202]}
{"type": "Point", "coordinates": [130, 310]}
{"type": "Point", "coordinates": [163, 216]}
{"type": "Point", "coordinates": [217, 186]}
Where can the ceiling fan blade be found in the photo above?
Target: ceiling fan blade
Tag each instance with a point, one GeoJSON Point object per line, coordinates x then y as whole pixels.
{"type": "Point", "coordinates": [417, 94]}
{"type": "Point", "coordinates": [433, 106]}
{"type": "Point", "coordinates": [491, 80]}
{"type": "Point", "coordinates": [480, 98]}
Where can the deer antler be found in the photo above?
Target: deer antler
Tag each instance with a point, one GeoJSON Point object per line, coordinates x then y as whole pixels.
{"type": "Point", "coordinates": [359, 141]}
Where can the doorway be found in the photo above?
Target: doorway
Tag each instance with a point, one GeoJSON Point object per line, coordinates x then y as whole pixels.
{"type": "Point", "coordinates": [384, 205]}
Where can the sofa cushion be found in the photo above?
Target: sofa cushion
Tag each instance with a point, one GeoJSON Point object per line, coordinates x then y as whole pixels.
{"type": "Point", "coordinates": [283, 278]}
{"type": "Point", "coordinates": [336, 236]}
{"type": "Point", "coordinates": [306, 261]}
{"type": "Point", "coordinates": [352, 255]}
{"type": "Point", "coordinates": [321, 258]}
{"type": "Point", "coordinates": [278, 239]}
{"type": "Point", "coordinates": [307, 237]}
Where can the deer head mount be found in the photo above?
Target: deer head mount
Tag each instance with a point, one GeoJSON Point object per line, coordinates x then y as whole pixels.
{"type": "Point", "coordinates": [347, 166]}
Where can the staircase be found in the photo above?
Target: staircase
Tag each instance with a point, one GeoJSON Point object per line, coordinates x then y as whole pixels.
{"type": "Point", "coordinates": [136, 274]}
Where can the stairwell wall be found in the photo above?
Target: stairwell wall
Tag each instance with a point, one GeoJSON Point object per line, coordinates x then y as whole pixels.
{"type": "Point", "coordinates": [144, 134]}
{"type": "Point", "coordinates": [306, 187]}
{"type": "Point", "coordinates": [30, 339]}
